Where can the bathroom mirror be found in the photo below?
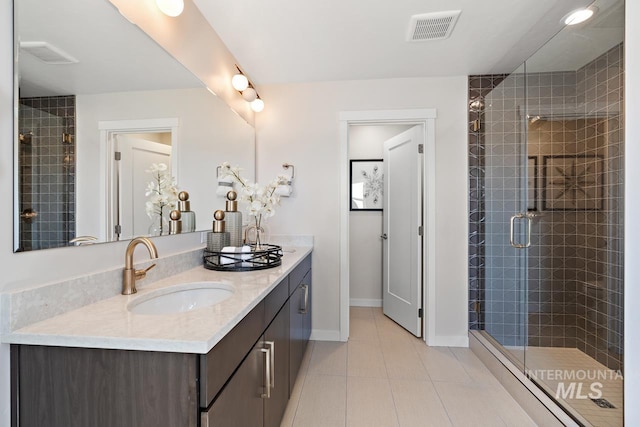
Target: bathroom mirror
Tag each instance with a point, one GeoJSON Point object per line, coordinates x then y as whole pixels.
{"type": "Point", "coordinates": [99, 102]}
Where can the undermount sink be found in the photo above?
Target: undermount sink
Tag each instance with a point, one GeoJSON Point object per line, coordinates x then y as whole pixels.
{"type": "Point", "coordinates": [181, 298]}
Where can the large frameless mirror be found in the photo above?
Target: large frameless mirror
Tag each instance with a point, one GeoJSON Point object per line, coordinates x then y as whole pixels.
{"type": "Point", "coordinates": [99, 103]}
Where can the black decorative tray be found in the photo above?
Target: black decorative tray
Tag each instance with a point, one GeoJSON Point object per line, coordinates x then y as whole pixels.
{"type": "Point", "coordinates": [268, 256]}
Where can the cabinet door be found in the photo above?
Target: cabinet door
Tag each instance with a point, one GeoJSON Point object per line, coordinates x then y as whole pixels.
{"type": "Point", "coordinates": [306, 315]}
{"type": "Point", "coordinates": [69, 387]}
{"type": "Point", "coordinates": [276, 339]}
{"type": "Point", "coordinates": [240, 402]}
{"type": "Point", "coordinates": [297, 331]}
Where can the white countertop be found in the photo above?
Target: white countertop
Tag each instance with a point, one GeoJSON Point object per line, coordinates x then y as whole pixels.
{"type": "Point", "coordinates": [108, 323]}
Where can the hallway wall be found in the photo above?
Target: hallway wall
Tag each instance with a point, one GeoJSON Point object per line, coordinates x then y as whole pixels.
{"type": "Point", "coordinates": [301, 126]}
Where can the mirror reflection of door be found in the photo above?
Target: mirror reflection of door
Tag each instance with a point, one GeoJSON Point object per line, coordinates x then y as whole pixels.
{"type": "Point", "coordinates": [137, 153]}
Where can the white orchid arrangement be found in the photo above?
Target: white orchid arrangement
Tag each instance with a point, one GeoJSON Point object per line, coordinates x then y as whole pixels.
{"type": "Point", "coordinates": [260, 200]}
{"type": "Point", "coordinates": [161, 192]}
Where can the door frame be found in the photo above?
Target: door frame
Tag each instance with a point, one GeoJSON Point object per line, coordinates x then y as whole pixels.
{"type": "Point", "coordinates": [426, 118]}
{"type": "Point", "coordinates": [108, 129]}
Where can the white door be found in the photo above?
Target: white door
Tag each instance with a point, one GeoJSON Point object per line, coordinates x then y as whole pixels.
{"type": "Point", "coordinates": [137, 155]}
{"type": "Point", "coordinates": [402, 229]}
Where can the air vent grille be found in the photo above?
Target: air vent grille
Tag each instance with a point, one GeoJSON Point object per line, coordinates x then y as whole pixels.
{"type": "Point", "coordinates": [48, 53]}
{"type": "Point", "coordinates": [433, 26]}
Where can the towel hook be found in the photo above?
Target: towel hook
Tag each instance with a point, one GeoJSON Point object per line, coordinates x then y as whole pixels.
{"type": "Point", "coordinates": [293, 170]}
{"type": "Point", "coordinates": [218, 171]}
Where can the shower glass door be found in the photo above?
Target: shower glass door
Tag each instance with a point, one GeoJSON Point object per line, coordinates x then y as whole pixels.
{"type": "Point", "coordinates": [550, 145]}
{"type": "Point", "coordinates": [507, 225]}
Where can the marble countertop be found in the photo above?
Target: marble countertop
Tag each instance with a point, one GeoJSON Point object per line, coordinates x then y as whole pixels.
{"type": "Point", "coordinates": [108, 323]}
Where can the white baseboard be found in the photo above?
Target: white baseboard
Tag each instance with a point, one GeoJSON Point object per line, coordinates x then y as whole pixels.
{"type": "Point", "coordinates": [325, 335]}
{"type": "Point", "coordinates": [364, 302]}
{"type": "Point", "coordinates": [449, 341]}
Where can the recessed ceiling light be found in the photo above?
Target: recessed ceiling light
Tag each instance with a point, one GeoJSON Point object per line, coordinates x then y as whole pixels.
{"type": "Point", "coordinates": [578, 16]}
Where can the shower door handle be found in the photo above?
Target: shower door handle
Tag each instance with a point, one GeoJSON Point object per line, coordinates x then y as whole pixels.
{"type": "Point", "coordinates": [512, 239]}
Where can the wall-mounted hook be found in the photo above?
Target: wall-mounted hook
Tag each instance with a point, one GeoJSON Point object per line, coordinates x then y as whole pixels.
{"type": "Point", "coordinates": [293, 170]}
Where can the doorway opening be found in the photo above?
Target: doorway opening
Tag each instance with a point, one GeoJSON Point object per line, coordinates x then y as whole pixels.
{"type": "Point", "coordinates": [361, 274]}
{"type": "Point", "coordinates": [128, 149]}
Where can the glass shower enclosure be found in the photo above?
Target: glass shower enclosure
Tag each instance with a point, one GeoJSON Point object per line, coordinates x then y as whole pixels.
{"type": "Point", "coordinates": [546, 167]}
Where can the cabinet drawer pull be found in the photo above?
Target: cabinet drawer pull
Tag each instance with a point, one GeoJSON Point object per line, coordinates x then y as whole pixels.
{"type": "Point", "coordinates": [267, 373]}
{"type": "Point", "coordinates": [306, 299]}
{"type": "Point", "coordinates": [272, 359]}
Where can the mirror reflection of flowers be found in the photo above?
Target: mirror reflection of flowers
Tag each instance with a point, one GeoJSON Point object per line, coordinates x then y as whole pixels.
{"type": "Point", "coordinates": [260, 200]}
{"type": "Point", "coordinates": [162, 195]}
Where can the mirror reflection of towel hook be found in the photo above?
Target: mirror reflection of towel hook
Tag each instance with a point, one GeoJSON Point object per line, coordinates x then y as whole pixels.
{"type": "Point", "coordinates": [293, 170]}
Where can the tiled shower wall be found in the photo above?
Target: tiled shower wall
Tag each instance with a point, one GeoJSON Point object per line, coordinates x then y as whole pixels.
{"type": "Point", "coordinates": [479, 88]}
{"type": "Point", "coordinates": [574, 267]}
{"type": "Point", "coordinates": [46, 169]}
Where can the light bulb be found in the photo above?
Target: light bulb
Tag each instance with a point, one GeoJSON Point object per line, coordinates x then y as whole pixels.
{"type": "Point", "coordinates": [257, 105]}
{"type": "Point", "coordinates": [240, 82]}
{"type": "Point", "coordinates": [170, 8]}
{"type": "Point", "coordinates": [578, 16]}
{"type": "Point", "coordinates": [249, 94]}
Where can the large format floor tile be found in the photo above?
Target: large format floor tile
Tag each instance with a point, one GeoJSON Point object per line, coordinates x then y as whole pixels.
{"type": "Point", "coordinates": [385, 377]}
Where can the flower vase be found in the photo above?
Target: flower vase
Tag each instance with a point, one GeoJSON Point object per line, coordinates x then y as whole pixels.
{"type": "Point", "coordinates": [257, 236]}
{"type": "Point", "coordinates": [159, 226]}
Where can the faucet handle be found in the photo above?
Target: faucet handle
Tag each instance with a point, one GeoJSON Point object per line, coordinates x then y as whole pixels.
{"type": "Point", "coordinates": [141, 274]}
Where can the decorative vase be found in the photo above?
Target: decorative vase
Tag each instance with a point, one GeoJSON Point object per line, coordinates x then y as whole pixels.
{"type": "Point", "coordinates": [257, 235]}
{"type": "Point", "coordinates": [159, 226]}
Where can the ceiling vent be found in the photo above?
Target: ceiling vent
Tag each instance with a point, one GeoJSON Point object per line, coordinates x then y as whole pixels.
{"type": "Point", "coordinates": [47, 53]}
{"type": "Point", "coordinates": [432, 26]}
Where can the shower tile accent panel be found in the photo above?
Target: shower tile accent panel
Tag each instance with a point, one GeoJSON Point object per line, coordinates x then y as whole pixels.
{"type": "Point", "coordinates": [47, 171]}
{"type": "Point", "coordinates": [575, 265]}
{"type": "Point", "coordinates": [479, 87]}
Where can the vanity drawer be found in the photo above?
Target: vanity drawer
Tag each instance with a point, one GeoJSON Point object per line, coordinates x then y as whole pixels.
{"type": "Point", "coordinates": [275, 300]}
{"type": "Point", "coordinates": [217, 366]}
{"type": "Point", "coordinates": [296, 276]}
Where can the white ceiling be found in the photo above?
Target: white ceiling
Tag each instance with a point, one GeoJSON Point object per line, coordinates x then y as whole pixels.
{"type": "Point", "coordinates": [281, 41]}
{"type": "Point", "coordinates": [577, 45]}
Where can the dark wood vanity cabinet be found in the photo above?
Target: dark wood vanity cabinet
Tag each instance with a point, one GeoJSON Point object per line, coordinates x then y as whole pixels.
{"type": "Point", "coordinates": [245, 380]}
{"type": "Point", "coordinates": [300, 313]}
{"type": "Point", "coordinates": [62, 386]}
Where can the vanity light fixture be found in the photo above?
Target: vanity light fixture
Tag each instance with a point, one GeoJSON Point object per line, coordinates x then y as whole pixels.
{"type": "Point", "coordinates": [249, 94]}
{"type": "Point", "coordinates": [171, 8]}
{"type": "Point", "coordinates": [579, 16]}
{"type": "Point", "coordinates": [257, 105]}
{"type": "Point", "coordinates": [241, 83]}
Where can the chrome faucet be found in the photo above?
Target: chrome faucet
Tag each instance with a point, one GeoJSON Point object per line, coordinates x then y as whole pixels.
{"type": "Point", "coordinates": [130, 274]}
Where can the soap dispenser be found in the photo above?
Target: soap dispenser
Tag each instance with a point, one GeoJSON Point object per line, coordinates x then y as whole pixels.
{"type": "Point", "coordinates": [188, 216]}
{"type": "Point", "coordinates": [218, 238]}
{"type": "Point", "coordinates": [175, 223]}
{"type": "Point", "coordinates": [233, 219]}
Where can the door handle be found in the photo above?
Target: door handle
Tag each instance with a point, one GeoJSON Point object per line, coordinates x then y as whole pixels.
{"type": "Point", "coordinates": [267, 373]}
{"type": "Point", "coordinates": [271, 346]}
{"type": "Point", "coordinates": [384, 236]}
{"type": "Point", "coordinates": [512, 239]}
{"type": "Point", "coordinates": [306, 299]}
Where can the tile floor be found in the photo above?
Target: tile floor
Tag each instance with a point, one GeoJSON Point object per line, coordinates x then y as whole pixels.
{"type": "Point", "coordinates": [553, 365]}
{"type": "Point", "coordinates": [386, 377]}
